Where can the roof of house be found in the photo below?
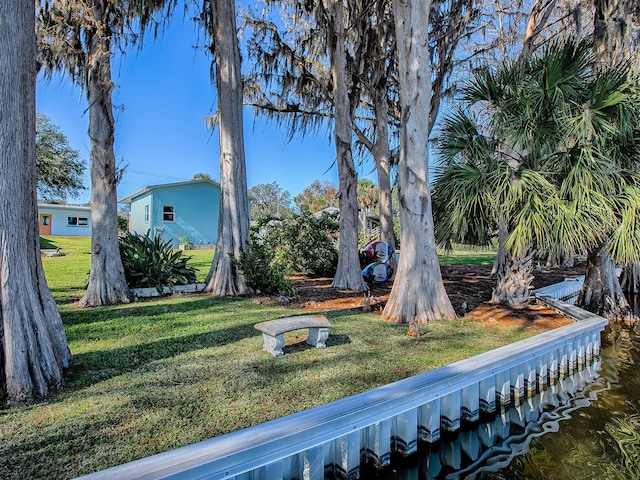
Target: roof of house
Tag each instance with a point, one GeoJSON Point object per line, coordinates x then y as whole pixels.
{"type": "Point", "coordinates": [329, 210]}
{"type": "Point", "coordinates": [129, 198]}
{"type": "Point", "coordinates": [62, 206]}
{"type": "Point", "coordinates": [332, 210]}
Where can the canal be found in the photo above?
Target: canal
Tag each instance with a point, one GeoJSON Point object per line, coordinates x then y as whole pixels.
{"type": "Point", "coordinates": [585, 427]}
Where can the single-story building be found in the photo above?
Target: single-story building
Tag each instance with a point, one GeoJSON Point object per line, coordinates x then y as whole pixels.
{"type": "Point", "coordinates": [180, 212]}
{"type": "Point", "coordinates": [64, 220]}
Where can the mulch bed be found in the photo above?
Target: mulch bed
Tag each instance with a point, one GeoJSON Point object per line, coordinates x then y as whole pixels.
{"type": "Point", "coordinates": [467, 286]}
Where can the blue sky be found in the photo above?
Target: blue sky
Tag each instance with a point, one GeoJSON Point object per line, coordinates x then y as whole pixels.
{"type": "Point", "coordinates": [162, 95]}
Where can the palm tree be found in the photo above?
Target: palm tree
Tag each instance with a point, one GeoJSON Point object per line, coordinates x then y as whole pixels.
{"type": "Point", "coordinates": [614, 40]}
{"type": "Point", "coordinates": [554, 165]}
{"type": "Point", "coordinates": [79, 37]}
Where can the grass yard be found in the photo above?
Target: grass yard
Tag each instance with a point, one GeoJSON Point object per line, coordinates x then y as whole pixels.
{"type": "Point", "coordinates": [156, 375]}
{"type": "Point", "coordinates": [467, 255]}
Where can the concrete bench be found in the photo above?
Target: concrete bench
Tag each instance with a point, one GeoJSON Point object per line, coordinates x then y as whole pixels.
{"type": "Point", "coordinates": [273, 331]}
{"type": "Point", "coordinates": [50, 252]}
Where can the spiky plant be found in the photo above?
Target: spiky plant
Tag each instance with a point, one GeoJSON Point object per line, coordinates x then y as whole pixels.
{"type": "Point", "coordinates": [550, 156]}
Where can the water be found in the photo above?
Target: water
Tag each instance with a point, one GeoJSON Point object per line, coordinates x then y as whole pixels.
{"type": "Point", "coordinates": [587, 427]}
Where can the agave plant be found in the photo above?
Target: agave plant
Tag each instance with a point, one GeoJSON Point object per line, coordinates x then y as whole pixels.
{"type": "Point", "coordinates": [152, 262]}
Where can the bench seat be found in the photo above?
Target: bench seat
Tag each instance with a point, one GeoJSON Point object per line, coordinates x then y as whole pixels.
{"type": "Point", "coordinates": [273, 331]}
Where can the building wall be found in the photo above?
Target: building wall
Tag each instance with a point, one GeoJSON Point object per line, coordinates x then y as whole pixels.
{"type": "Point", "coordinates": [67, 220]}
{"type": "Point", "coordinates": [195, 213]}
{"type": "Point", "coordinates": [137, 221]}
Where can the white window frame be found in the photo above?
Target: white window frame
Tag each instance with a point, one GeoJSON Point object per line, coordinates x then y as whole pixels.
{"type": "Point", "coordinates": [73, 221]}
{"type": "Point", "coordinates": [168, 213]}
{"type": "Point", "coordinates": [146, 213]}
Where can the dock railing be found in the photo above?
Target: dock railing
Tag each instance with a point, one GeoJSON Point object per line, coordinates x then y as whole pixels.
{"type": "Point", "coordinates": [337, 438]}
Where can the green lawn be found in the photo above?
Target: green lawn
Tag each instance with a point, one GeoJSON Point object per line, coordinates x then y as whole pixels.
{"type": "Point", "coordinates": [468, 255]}
{"type": "Point", "coordinates": [155, 375]}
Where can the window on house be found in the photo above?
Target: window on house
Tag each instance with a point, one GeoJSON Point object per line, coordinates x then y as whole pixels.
{"type": "Point", "coordinates": [146, 214]}
{"type": "Point", "coordinates": [77, 221]}
{"type": "Point", "coordinates": [167, 213]}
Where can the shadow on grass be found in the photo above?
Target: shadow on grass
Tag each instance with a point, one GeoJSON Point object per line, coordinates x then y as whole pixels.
{"type": "Point", "coordinates": [96, 366]}
{"type": "Point", "coordinates": [93, 367]}
{"type": "Point", "coordinates": [301, 346]}
{"type": "Point", "coordinates": [47, 244]}
{"type": "Point", "coordinates": [80, 316]}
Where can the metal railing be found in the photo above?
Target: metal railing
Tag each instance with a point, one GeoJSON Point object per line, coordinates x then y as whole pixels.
{"type": "Point", "coordinates": [336, 438]}
{"type": "Point", "coordinates": [566, 291]}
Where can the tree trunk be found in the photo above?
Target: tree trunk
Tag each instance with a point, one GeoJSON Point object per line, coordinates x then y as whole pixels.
{"type": "Point", "coordinates": [613, 27]}
{"type": "Point", "coordinates": [33, 347]}
{"type": "Point", "coordinates": [233, 228]}
{"type": "Point", "coordinates": [630, 278]}
{"type": "Point", "coordinates": [501, 255]}
{"type": "Point", "coordinates": [514, 279]}
{"type": "Point", "coordinates": [418, 293]}
{"type": "Point", "coordinates": [538, 17]}
{"type": "Point", "coordinates": [107, 282]}
{"type": "Point", "coordinates": [382, 156]}
{"type": "Point", "coordinates": [601, 292]}
{"type": "Point", "coordinates": [348, 273]}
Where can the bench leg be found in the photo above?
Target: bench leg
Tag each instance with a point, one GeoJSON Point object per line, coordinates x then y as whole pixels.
{"type": "Point", "coordinates": [273, 345]}
{"type": "Point", "coordinates": [318, 337]}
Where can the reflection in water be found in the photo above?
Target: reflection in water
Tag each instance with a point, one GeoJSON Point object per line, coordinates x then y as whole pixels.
{"type": "Point", "coordinates": [553, 435]}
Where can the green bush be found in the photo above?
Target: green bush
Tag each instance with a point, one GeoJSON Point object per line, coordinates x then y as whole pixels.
{"type": "Point", "coordinates": [263, 274]}
{"type": "Point", "coordinates": [302, 244]}
{"type": "Point", "coordinates": [123, 223]}
{"type": "Point", "coordinates": [310, 244]}
{"type": "Point", "coordinates": [152, 262]}
{"type": "Point", "coordinates": [263, 269]}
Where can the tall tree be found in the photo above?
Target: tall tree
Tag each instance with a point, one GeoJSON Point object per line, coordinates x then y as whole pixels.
{"type": "Point", "coordinates": [373, 125]}
{"type": "Point", "coordinates": [293, 61]}
{"type": "Point", "coordinates": [418, 293]}
{"type": "Point", "coordinates": [553, 157]}
{"type": "Point", "coordinates": [33, 348]}
{"type": "Point", "coordinates": [269, 200]}
{"type": "Point", "coordinates": [450, 23]}
{"type": "Point", "coordinates": [317, 196]}
{"type": "Point", "coordinates": [233, 230]}
{"type": "Point", "coordinates": [616, 30]}
{"type": "Point", "coordinates": [614, 41]}
{"type": "Point", "coordinates": [348, 275]}
{"type": "Point", "coordinates": [80, 37]}
{"type": "Point", "coordinates": [59, 167]}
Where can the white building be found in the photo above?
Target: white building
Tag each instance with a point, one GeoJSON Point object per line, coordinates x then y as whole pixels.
{"type": "Point", "coordinates": [64, 220]}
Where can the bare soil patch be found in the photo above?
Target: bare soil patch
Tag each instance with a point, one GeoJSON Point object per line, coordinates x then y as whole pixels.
{"type": "Point", "coordinates": [468, 286]}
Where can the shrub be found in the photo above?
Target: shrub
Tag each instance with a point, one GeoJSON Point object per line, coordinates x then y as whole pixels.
{"type": "Point", "coordinates": [303, 244]}
{"type": "Point", "coordinates": [123, 223]}
{"type": "Point", "coordinates": [262, 269]}
{"type": "Point", "coordinates": [310, 244]}
{"type": "Point", "coordinates": [264, 276]}
{"type": "Point", "coordinates": [152, 262]}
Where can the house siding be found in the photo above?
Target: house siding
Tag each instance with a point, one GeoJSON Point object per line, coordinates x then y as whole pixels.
{"type": "Point", "coordinates": [60, 219]}
{"type": "Point", "coordinates": [137, 221]}
{"type": "Point", "coordinates": [195, 212]}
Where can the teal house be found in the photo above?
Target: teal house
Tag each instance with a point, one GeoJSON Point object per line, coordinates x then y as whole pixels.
{"type": "Point", "coordinates": [180, 212]}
